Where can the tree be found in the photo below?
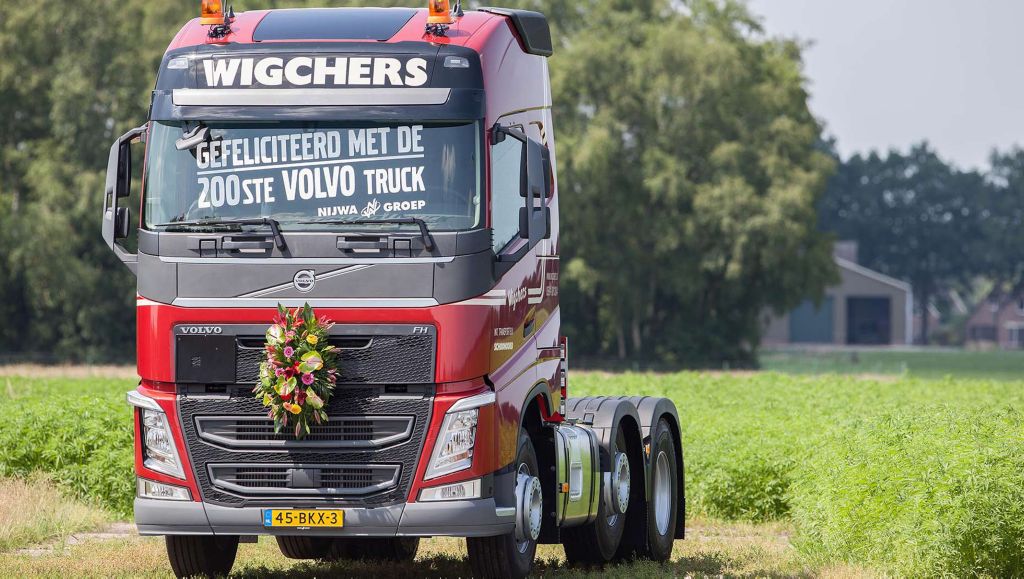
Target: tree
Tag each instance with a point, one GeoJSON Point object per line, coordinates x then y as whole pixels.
{"type": "Point", "coordinates": [689, 171]}
{"type": "Point", "coordinates": [686, 157]}
{"type": "Point", "coordinates": [1003, 215]}
{"type": "Point", "coordinates": [914, 217]}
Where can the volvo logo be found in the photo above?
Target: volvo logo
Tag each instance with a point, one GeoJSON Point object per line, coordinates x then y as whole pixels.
{"type": "Point", "coordinates": [202, 330]}
{"type": "Point", "coordinates": [304, 280]}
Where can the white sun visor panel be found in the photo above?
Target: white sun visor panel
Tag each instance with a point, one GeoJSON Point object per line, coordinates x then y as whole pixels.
{"type": "Point", "coordinates": [311, 97]}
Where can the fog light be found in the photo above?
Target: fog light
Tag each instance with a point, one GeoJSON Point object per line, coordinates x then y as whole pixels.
{"type": "Point", "coordinates": [149, 489]}
{"type": "Point", "coordinates": [453, 492]}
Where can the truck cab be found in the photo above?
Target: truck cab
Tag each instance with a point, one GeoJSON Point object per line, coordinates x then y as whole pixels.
{"type": "Point", "coordinates": [394, 169]}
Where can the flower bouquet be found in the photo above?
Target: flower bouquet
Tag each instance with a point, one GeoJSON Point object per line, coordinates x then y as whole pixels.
{"type": "Point", "coordinates": [297, 379]}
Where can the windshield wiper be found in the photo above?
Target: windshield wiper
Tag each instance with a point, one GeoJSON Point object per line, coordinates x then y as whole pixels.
{"type": "Point", "coordinates": [274, 226]}
{"type": "Point", "coordinates": [428, 241]}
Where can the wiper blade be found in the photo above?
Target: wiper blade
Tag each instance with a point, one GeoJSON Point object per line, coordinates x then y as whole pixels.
{"type": "Point", "coordinates": [273, 224]}
{"type": "Point", "coordinates": [428, 241]}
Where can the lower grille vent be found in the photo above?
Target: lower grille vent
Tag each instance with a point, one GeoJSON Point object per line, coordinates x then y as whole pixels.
{"type": "Point", "coordinates": [342, 432]}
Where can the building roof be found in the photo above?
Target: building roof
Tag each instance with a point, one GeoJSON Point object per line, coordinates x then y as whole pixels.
{"type": "Point", "coordinates": [872, 274]}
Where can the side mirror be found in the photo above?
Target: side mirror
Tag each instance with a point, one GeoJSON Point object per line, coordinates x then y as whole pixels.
{"type": "Point", "coordinates": [536, 188]}
{"type": "Point", "coordinates": [118, 185]}
{"type": "Point", "coordinates": [122, 223]}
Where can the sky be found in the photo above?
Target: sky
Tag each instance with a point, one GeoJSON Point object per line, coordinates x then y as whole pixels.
{"type": "Point", "coordinates": [890, 73]}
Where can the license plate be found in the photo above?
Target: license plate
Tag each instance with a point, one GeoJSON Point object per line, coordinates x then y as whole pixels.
{"type": "Point", "coordinates": [303, 518]}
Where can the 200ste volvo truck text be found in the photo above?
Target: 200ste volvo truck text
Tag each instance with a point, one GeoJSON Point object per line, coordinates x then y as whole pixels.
{"type": "Point", "coordinates": [395, 169]}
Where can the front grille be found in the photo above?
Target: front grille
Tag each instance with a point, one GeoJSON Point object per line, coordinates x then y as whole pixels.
{"type": "Point", "coordinates": [377, 360]}
{"type": "Point", "coordinates": [304, 480]}
{"type": "Point", "coordinates": [257, 471]}
{"type": "Point", "coordinates": [338, 432]}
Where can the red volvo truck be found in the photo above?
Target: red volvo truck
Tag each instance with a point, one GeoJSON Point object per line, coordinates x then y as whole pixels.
{"type": "Point", "coordinates": [395, 169]}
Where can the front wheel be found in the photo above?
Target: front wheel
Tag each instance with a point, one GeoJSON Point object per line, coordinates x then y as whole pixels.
{"type": "Point", "coordinates": [211, 556]}
{"type": "Point", "coordinates": [511, 555]}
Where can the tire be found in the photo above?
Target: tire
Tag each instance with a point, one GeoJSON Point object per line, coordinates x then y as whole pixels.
{"type": "Point", "coordinates": [305, 547]}
{"type": "Point", "coordinates": [594, 544]}
{"type": "Point", "coordinates": [663, 506]}
{"type": "Point", "coordinates": [503, 556]}
{"type": "Point", "coordinates": [394, 549]}
{"type": "Point", "coordinates": [206, 555]}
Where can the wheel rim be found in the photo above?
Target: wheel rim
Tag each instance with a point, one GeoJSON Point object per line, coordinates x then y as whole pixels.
{"type": "Point", "coordinates": [532, 504]}
{"type": "Point", "coordinates": [620, 491]}
{"type": "Point", "coordinates": [662, 493]}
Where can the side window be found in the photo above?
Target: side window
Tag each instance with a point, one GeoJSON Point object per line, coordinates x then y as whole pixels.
{"type": "Point", "coordinates": [506, 175]}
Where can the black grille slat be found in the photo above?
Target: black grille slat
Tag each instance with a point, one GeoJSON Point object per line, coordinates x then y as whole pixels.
{"type": "Point", "coordinates": [343, 431]}
{"type": "Point", "coordinates": [326, 480]}
{"type": "Point", "coordinates": [382, 360]}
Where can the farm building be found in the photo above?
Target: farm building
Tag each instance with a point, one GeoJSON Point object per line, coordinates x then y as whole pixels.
{"type": "Point", "coordinates": [866, 308]}
{"type": "Point", "coordinates": [997, 322]}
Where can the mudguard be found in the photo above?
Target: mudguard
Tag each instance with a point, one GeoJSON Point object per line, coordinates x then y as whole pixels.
{"type": "Point", "coordinates": [604, 414]}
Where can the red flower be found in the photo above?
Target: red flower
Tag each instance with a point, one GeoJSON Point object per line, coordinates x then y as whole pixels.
{"type": "Point", "coordinates": [286, 397]}
{"type": "Point", "coordinates": [300, 397]}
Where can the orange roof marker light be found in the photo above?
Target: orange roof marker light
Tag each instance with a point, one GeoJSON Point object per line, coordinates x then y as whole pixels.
{"type": "Point", "coordinates": [441, 16]}
{"type": "Point", "coordinates": [211, 13]}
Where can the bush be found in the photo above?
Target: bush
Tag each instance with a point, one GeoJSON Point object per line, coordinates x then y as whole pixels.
{"type": "Point", "coordinates": [926, 492]}
{"type": "Point", "coordinates": [79, 432]}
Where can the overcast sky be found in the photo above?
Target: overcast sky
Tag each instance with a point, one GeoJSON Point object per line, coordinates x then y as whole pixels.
{"type": "Point", "coordinates": [889, 73]}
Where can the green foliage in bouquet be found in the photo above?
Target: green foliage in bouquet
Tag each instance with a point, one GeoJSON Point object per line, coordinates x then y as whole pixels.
{"type": "Point", "coordinates": [297, 379]}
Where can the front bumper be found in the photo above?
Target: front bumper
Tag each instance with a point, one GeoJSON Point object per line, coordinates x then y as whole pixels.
{"type": "Point", "coordinates": [474, 518]}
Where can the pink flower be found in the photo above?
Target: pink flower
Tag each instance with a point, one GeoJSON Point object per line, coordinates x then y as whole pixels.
{"type": "Point", "coordinates": [289, 352]}
{"type": "Point", "coordinates": [279, 372]}
{"type": "Point", "coordinates": [307, 379]}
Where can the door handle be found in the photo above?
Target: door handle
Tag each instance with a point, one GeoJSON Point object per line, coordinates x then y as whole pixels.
{"type": "Point", "coordinates": [363, 244]}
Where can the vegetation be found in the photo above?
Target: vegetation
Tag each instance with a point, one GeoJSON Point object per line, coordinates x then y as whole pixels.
{"type": "Point", "coordinates": [717, 550]}
{"type": "Point", "coordinates": [33, 511]}
{"type": "Point", "coordinates": [77, 432]}
{"type": "Point", "coordinates": [926, 493]}
{"type": "Point", "coordinates": [688, 160]}
{"type": "Point", "coordinates": [995, 365]}
{"type": "Point", "coordinates": [931, 464]}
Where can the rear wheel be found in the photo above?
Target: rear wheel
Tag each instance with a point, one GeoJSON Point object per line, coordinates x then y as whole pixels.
{"type": "Point", "coordinates": [191, 556]}
{"type": "Point", "coordinates": [663, 508]}
{"type": "Point", "coordinates": [511, 555]}
{"type": "Point", "coordinates": [393, 549]}
{"type": "Point", "coordinates": [596, 543]}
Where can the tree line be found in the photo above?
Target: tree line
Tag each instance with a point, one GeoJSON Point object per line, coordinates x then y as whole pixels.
{"type": "Point", "coordinates": [698, 189]}
{"type": "Point", "coordinates": [919, 218]}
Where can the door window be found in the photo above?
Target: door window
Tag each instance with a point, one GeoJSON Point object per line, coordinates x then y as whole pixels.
{"type": "Point", "coordinates": [506, 177]}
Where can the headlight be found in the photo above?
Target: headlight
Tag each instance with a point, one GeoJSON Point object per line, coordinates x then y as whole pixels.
{"type": "Point", "coordinates": [158, 450]}
{"type": "Point", "coordinates": [453, 450]}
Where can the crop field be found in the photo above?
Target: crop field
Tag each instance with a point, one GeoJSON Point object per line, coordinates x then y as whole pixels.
{"type": "Point", "coordinates": [787, 475]}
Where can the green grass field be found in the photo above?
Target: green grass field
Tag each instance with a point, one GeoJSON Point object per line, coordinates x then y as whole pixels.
{"type": "Point", "coordinates": [921, 364]}
{"type": "Point", "coordinates": [904, 473]}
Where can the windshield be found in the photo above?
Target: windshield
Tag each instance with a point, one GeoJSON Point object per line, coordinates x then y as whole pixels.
{"type": "Point", "coordinates": [302, 172]}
